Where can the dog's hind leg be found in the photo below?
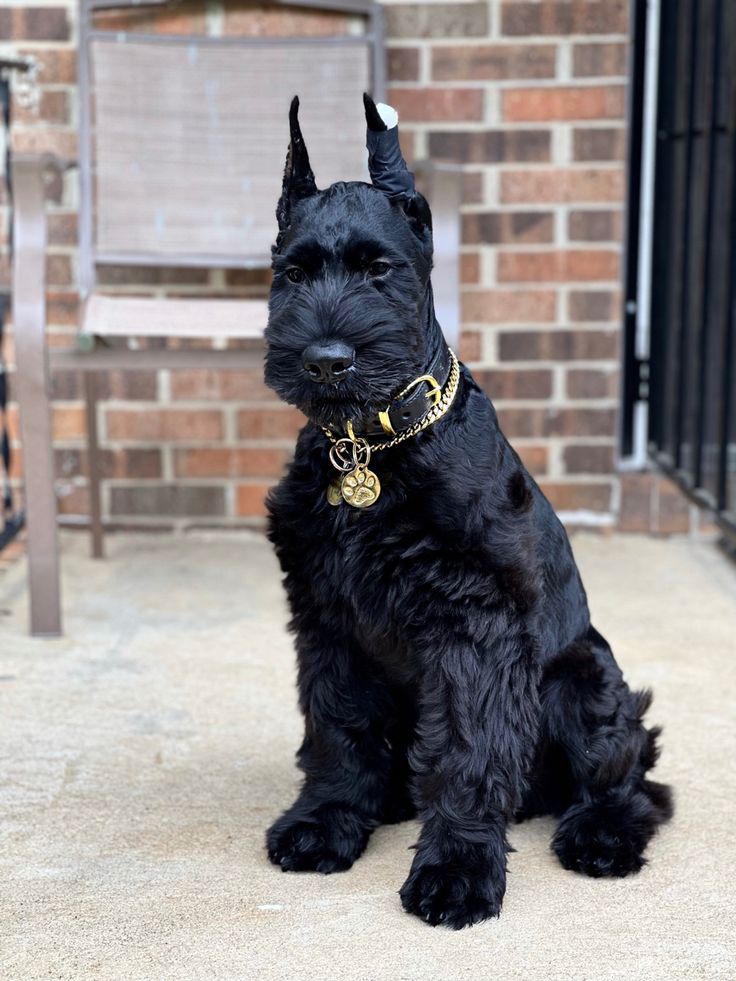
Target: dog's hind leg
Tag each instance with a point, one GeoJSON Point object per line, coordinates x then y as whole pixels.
{"type": "Point", "coordinates": [347, 758]}
{"type": "Point", "coordinates": [589, 711]}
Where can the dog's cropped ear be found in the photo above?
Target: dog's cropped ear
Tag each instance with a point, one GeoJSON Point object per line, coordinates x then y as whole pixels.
{"type": "Point", "coordinates": [298, 177]}
{"type": "Point", "coordinates": [388, 169]}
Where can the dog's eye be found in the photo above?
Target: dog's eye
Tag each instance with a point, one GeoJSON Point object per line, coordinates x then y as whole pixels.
{"type": "Point", "coordinates": [378, 268]}
{"type": "Point", "coordinates": [295, 275]}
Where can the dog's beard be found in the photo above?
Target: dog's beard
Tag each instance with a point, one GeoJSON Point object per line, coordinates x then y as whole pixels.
{"type": "Point", "coordinates": [369, 387]}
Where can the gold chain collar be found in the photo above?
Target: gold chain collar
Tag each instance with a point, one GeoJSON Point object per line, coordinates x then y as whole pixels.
{"type": "Point", "coordinates": [351, 454]}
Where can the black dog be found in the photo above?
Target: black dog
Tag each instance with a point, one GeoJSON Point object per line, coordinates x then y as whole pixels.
{"type": "Point", "coordinates": [447, 664]}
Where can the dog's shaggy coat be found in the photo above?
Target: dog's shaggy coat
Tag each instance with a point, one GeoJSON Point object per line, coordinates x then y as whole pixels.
{"type": "Point", "coordinates": [448, 667]}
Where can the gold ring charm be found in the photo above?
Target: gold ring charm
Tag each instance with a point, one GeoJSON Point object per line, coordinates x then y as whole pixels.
{"type": "Point", "coordinates": [351, 454]}
{"type": "Point", "coordinates": [359, 487]}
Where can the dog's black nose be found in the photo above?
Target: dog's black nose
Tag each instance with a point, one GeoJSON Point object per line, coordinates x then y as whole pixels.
{"type": "Point", "coordinates": [328, 362]}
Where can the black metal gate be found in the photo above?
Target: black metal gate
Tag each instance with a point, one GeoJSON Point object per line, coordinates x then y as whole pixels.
{"type": "Point", "coordinates": [690, 378]}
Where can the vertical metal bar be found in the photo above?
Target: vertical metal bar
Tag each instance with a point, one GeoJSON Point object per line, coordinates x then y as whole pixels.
{"type": "Point", "coordinates": [630, 378]}
{"type": "Point", "coordinates": [684, 271]}
{"type": "Point", "coordinates": [659, 304]}
{"type": "Point", "coordinates": [93, 463]}
{"type": "Point", "coordinates": [702, 394]}
{"type": "Point", "coordinates": [727, 453]}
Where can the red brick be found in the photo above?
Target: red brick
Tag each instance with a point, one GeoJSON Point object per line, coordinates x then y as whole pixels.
{"type": "Point", "coordinates": [244, 385]}
{"type": "Point", "coordinates": [557, 266]}
{"type": "Point", "coordinates": [121, 463]}
{"type": "Point", "coordinates": [62, 228]}
{"type": "Point", "coordinates": [500, 306]}
{"type": "Point", "coordinates": [472, 188]}
{"type": "Point", "coordinates": [578, 496]}
{"type": "Point", "coordinates": [672, 509]}
{"type": "Point", "coordinates": [502, 384]}
{"type": "Point", "coordinates": [469, 267]}
{"type": "Point", "coordinates": [62, 309]}
{"type": "Point", "coordinates": [257, 279]}
{"type": "Point", "coordinates": [56, 66]}
{"type": "Point", "coordinates": [251, 500]}
{"type": "Point", "coordinates": [576, 186]}
{"type": "Point", "coordinates": [53, 107]}
{"type": "Point", "coordinates": [636, 502]}
{"type": "Point", "coordinates": [491, 146]}
{"type": "Point", "coordinates": [189, 20]}
{"type": "Point", "coordinates": [594, 144]}
{"type": "Point", "coordinates": [510, 227]}
{"type": "Point", "coordinates": [69, 422]}
{"type": "Point", "coordinates": [440, 20]}
{"type": "Point", "coordinates": [470, 62]}
{"type": "Point", "coordinates": [403, 64]}
{"type": "Point", "coordinates": [593, 458]}
{"type": "Point", "coordinates": [591, 383]}
{"type": "Point", "coordinates": [594, 305]}
{"type": "Point", "coordinates": [163, 425]}
{"type": "Point", "coordinates": [595, 226]}
{"type": "Point", "coordinates": [557, 345]}
{"type": "Point", "coordinates": [471, 346]}
{"type": "Point", "coordinates": [541, 105]}
{"type": "Point", "coordinates": [563, 17]}
{"type": "Point", "coordinates": [422, 105]}
{"type": "Point", "coordinates": [129, 385]}
{"type": "Point", "coordinates": [546, 422]}
{"type": "Point", "coordinates": [272, 423]}
{"type": "Point", "coordinates": [59, 270]}
{"type": "Point", "coordinates": [254, 21]}
{"type": "Point", "coordinates": [600, 59]}
{"type": "Point", "coordinates": [72, 499]}
{"type": "Point", "coordinates": [230, 462]}
{"type": "Point", "coordinates": [34, 24]}
{"type": "Point", "coordinates": [509, 306]}
{"type": "Point", "coordinates": [127, 275]}
{"type": "Point", "coordinates": [534, 457]}
{"type": "Point", "coordinates": [59, 142]}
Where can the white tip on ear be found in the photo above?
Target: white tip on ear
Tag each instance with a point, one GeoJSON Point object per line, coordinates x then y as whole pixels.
{"type": "Point", "coordinates": [388, 114]}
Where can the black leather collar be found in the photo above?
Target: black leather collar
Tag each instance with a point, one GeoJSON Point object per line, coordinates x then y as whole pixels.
{"type": "Point", "coordinates": [403, 413]}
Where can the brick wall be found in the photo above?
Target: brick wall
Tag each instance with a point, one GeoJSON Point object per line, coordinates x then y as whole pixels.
{"type": "Point", "coordinates": [529, 95]}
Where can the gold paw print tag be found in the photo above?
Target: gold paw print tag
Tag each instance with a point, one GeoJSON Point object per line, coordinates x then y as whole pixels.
{"type": "Point", "coordinates": [359, 487]}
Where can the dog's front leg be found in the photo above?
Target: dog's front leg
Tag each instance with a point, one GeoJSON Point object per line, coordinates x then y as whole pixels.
{"type": "Point", "coordinates": [475, 740]}
{"type": "Point", "coordinates": [345, 758]}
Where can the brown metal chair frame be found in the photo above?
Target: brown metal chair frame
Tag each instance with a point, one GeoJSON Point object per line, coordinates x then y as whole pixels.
{"type": "Point", "coordinates": [441, 183]}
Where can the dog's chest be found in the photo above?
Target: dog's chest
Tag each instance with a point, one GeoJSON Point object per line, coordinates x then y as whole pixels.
{"type": "Point", "coordinates": [366, 570]}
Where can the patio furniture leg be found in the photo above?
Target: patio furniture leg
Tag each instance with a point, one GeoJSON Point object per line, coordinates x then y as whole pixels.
{"type": "Point", "coordinates": [93, 464]}
{"type": "Point", "coordinates": [32, 388]}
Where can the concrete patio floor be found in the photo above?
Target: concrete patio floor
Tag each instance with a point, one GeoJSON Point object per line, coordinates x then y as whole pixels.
{"type": "Point", "coordinates": [143, 754]}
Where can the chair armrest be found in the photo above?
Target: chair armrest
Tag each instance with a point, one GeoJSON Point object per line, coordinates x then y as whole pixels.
{"type": "Point", "coordinates": [442, 185]}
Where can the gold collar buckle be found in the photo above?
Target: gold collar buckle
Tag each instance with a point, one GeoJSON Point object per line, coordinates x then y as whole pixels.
{"type": "Point", "coordinates": [434, 393]}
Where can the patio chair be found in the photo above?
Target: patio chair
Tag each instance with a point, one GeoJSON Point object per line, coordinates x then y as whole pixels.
{"type": "Point", "coordinates": [182, 143]}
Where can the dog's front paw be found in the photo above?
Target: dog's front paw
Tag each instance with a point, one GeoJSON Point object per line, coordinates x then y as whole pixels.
{"type": "Point", "coordinates": [451, 895]}
{"type": "Point", "coordinates": [328, 840]}
{"type": "Point", "coordinates": [600, 839]}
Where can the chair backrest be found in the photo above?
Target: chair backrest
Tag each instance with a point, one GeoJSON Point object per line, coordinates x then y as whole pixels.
{"type": "Point", "coordinates": [183, 138]}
